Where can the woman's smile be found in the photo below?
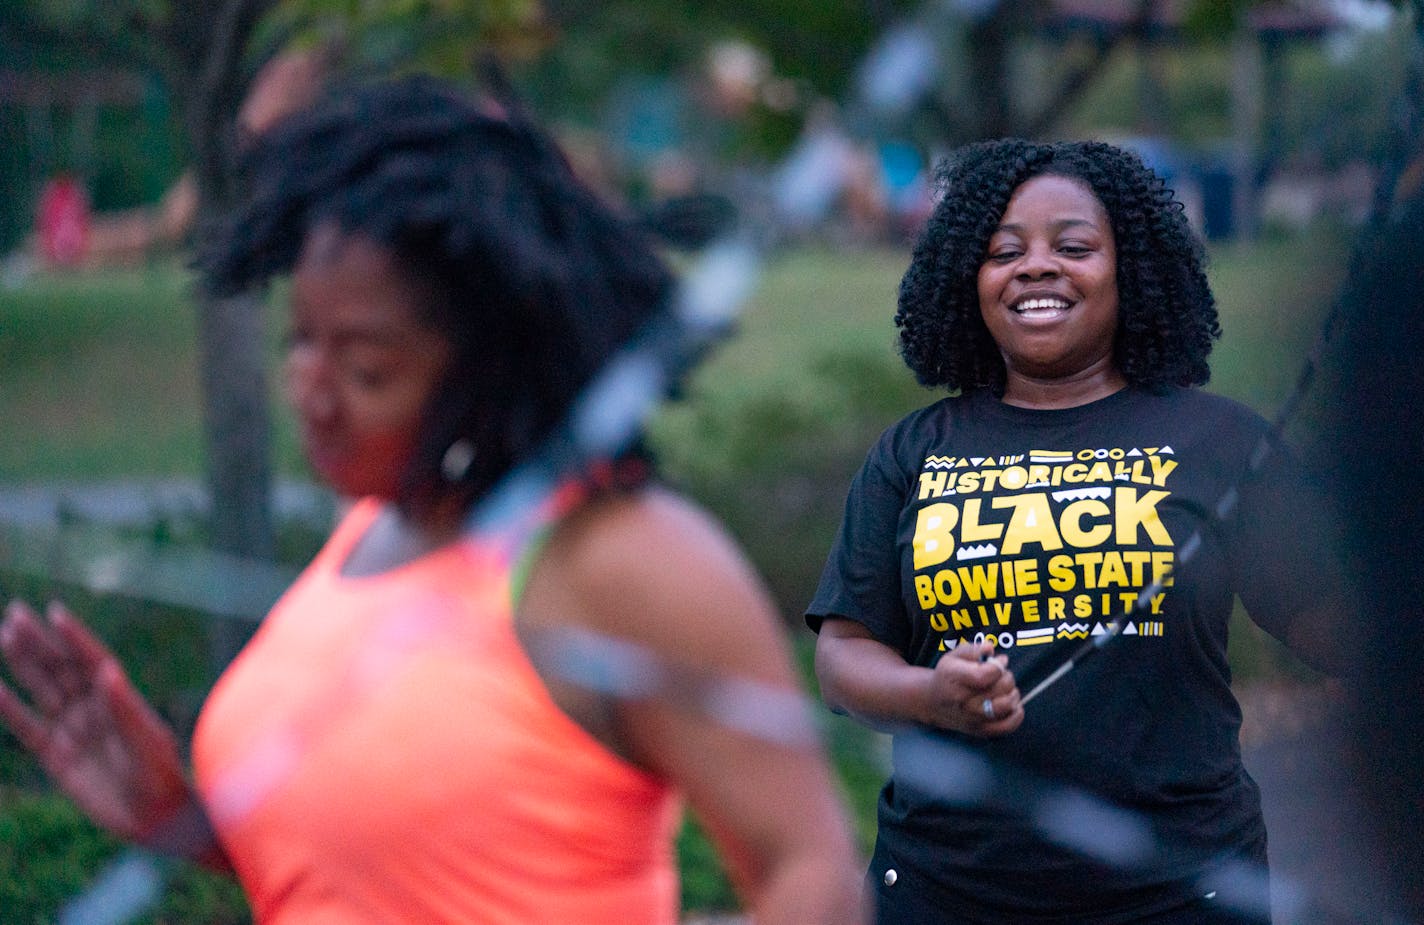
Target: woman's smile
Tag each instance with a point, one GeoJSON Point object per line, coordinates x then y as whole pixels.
{"type": "Point", "coordinates": [1033, 308]}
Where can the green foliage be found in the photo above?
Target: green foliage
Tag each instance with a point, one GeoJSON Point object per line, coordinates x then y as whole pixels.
{"type": "Point", "coordinates": [776, 424]}
{"type": "Point", "coordinates": [439, 36]}
{"type": "Point", "coordinates": [1255, 655]}
{"type": "Point", "coordinates": [826, 41]}
{"type": "Point", "coordinates": [138, 154]}
{"type": "Point", "coordinates": [128, 151]}
{"type": "Point", "coordinates": [199, 896]}
{"type": "Point", "coordinates": [808, 41]}
{"type": "Point", "coordinates": [775, 470]}
{"type": "Point", "coordinates": [705, 886]}
{"type": "Point", "coordinates": [861, 759]}
{"type": "Point", "coordinates": [1332, 105]}
{"type": "Point", "coordinates": [49, 855]}
{"type": "Point", "coordinates": [1213, 20]}
{"type": "Point", "coordinates": [1341, 106]}
{"type": "Point", "coordinates": [46, 849]}
{"type": "Point", "coordinates": [1273, 296]}
{"type": "Point", "coordinates": [1208, 20]}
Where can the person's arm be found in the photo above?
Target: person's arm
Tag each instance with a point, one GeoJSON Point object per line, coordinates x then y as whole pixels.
{"type": "Point", "coordinates": [654, 572]}
{"type": "Point", "coordinates": [1287, 553]}
{"type": "Point", "coordinates": [863, 677]}
{"type": "Point", "coordinates": [94, 734]}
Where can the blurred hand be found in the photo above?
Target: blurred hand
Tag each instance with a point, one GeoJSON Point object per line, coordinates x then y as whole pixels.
{"type": "Point", "coordinates": [973, 691]}
{"type": "Point", "coordinates": [89, 727]}
{"type": "Point", "coordinates": [287, 83]}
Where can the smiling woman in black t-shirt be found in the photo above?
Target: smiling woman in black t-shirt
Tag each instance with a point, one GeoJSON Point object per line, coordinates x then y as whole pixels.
{"type": "Point", "coordinates": [1060, 292]}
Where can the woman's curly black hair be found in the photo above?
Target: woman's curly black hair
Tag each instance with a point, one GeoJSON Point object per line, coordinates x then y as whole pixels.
{"type": "Point", "coordinates": [533, 279]}
{"type": "Point", "coordinates": [1167, 314]}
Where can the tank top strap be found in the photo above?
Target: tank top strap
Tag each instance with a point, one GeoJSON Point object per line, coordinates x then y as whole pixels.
{"type": "Point", "coordinates": [603, 476]}
{"type": "Point", "coordinates": [349, 529]}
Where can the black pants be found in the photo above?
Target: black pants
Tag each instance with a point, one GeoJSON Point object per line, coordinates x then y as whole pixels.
{"type": "Point", "coordinates": [904, 904]}
{"type": "Point", "coordinates": [904, 909]}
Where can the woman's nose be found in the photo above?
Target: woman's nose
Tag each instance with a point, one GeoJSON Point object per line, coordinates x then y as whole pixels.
{"type": "Point", "coordinates": [309, 389]}
{"type": "Point", "coordinates": [1039, 263]}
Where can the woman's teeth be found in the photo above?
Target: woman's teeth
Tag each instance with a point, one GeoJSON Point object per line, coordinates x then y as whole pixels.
{"type": "Point", "coordinates": [1041, 306]}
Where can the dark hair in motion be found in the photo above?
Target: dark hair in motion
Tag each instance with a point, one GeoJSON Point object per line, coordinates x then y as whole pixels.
{"type": "Point", "coordinates": [1167, 314]}
{"type": "Point", "coordinates": [533, 279]}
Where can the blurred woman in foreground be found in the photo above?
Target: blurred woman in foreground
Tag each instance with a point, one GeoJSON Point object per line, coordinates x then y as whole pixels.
{"type": "Point", "coordinates": [385, 748]}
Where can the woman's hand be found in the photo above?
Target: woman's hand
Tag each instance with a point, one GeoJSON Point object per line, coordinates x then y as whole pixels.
{"type": "Point", "coordinates": [89, 727]}
{"type": "Point", "coordinates": [865, 678]}
{"type": "Point", "coordinates": [972, 690]}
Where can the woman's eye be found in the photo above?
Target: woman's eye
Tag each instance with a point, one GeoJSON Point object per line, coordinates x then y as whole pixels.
{"type": "Point", "coordinates": [367, 368]}
{"type": "Point", "coordinates": [1003, 256]}
{"type": "Point", "coordinates": [368, 378]}
{"type": "Point", "coordinates": [1075, 250]}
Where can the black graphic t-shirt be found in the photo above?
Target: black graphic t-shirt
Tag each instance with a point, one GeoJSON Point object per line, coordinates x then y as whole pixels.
{"type": "Point", "coordinates": [972, 519]}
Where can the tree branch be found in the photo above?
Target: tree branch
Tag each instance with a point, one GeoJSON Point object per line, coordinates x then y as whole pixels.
{"type": "Point", "coordinates": [216, 88]}
{"type": "Point", "coordinates": [1071, 86]}
{"type": "Point", "coordinates": [1077, 80]}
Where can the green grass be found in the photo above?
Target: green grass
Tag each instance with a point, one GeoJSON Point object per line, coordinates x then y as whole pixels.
{"type": "Point", "coordinates": [98, 373]}
{"type": "Point", "coordinates": [1273, 297]}
{"type": "Point", "coordinates": [817, 309]}
{"type": "Point", "coordinates": [98, 377]}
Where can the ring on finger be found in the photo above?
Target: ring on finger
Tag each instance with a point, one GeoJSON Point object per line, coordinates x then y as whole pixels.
{"type": "Point", "coordinates": [989, 707]}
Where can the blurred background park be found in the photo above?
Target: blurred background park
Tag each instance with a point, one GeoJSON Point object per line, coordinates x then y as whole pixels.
{"type": "Point", "coordinates": [149, 472]}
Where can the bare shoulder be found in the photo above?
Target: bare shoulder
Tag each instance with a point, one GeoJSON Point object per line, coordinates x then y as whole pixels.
{"type": "Point", "coordinates": [631, 537]}
{"type": "Point", "coordinates": [654, 568]}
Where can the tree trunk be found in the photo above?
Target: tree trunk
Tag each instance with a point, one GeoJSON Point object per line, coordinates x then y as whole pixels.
{"type": "Point", "coordinates": [988, 47]}
{"type": "Point", "coordinates": [232, 345]}
{"type": "Point", "coordinates": [237, 440]}
{"type": "Point", "coordinates": [1247, 105]}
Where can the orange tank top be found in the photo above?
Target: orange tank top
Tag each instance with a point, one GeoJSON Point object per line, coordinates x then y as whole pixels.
{"type": "Point", "coordinates": [383, 751]}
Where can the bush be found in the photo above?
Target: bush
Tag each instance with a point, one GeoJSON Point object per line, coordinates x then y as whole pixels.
{"type": "Point", "coordinates": [775, 466]}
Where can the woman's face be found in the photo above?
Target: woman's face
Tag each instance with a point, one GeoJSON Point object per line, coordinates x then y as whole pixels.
{"type": "Point", "coordinates": [1048, 283]}
{"type": "Point", "coordinates": [362, 365]}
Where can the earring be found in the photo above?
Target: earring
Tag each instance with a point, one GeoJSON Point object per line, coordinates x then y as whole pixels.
{"type": "Point", "coordinates": [456, 461]}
